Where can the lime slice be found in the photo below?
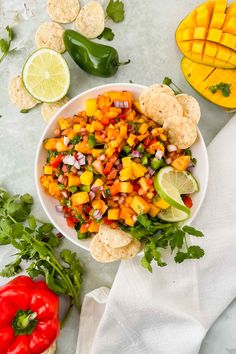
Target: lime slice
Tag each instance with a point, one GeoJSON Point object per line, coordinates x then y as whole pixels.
{"type": "Point", "coordinates": [170, 184]}
{"type": "Point", "coordinates": [173, 215]}
{"type": "Point", "coordinates": [46, 75]}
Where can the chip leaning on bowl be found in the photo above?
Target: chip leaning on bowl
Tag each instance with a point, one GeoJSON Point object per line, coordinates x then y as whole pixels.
{"type": "Point", "coordinates": [107, 167]}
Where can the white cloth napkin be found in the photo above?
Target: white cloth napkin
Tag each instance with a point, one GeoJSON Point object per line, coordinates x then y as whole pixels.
{"type": "Point", "coordinates": [170, 310]}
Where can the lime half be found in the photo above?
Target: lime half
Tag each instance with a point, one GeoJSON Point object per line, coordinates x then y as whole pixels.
{"type": "Point", "coordinates": [46, 75]}
{"type": "Point", "coordinates": [172, 214]}
{"type": "Point", "coordinates": [170, 184]}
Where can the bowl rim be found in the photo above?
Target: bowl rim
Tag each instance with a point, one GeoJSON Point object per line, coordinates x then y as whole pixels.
{"type": "Point", "coordinates": [51, 122]}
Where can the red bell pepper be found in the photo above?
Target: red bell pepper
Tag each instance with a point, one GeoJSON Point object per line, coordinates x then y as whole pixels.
{"type": "Point", "coordinates": [29, 321]}
{"type": "Point", "coordinates": [188, 202]}
{"type": "Point", "coordinates": [56, 162]}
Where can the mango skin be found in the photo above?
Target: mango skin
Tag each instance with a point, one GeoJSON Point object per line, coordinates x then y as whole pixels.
{"type": "Point", "coordinates": [201, 76]}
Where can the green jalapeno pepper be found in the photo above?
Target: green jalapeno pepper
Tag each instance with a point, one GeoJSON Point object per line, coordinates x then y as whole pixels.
{"type": "Point", "coordinates": [96, 59]}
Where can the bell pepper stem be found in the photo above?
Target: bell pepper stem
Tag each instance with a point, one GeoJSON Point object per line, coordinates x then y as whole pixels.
{"type": "Point", "coordinates": [124, 63]}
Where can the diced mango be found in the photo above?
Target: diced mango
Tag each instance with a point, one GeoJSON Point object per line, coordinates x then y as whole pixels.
{"type": "Point", "coordinates": [139, 205]}
{"type": "Point", "coordinates": [231, 10]}
{"type": "Point", "coordinates": [181, 163]}
{"type": "Point", "coordinates": [86, 178]}
{"type": "Point", "coordinates": [217, 20]}
{"type": "Point", "coordinates": [126, 174]}
{"type": "Point", "coordinates": [71, 134]}
{"type": "Point", "coordinates": [228, 40]}
{"type": "Point", "coordinates": [91, 106]}
{"type": "Point", "coordinates": [137, 106]}
{"type": "Point", "coordinates": [143, 183]}
{"type": "Point", "coordinates": [60, 146]}
{"type": "Point", "coordinates": [230, 25]}
{"type": "Point", "coordinates": [99, 204]}
{"type": "Point", "coordinates": [223, 53]}
{"type": "Point", "coordinates": [79, 198]}
{"type": "Point", "coordinates": [203, 18]}
{"type": "Point", "coordinates": [110, 151]}
{"type": "Point", "coordinates": [208, 60]}
{"type": "Point", "coordinates": [54, 190]}
{"type": "Point", "coordinates": [138, 170]}
{"type": "Point", "coordinates": [126, 161]}
{"type": "Point", "coordinates": [190, 20]}
{"type": "Point", "coordinates": [98, 182]}
{"type": "Point", "coordinates": [50, 144]}
{"type": "Point", "coordinates": [126, 187]}
{"type": "Point", "coordinates": [129, 221]}
{"type": "Point", "coordinates": [198, 47]}
{"type": "Point", "coordinates": [186, 46]}
{"type": "Point", "coordinates": [154, 210]}
{"type": "Point", "coordinates": [200, 33]}
{"type": "Point", "coordinates": [210, 49]}
{"type": "Point", "coordinates": [45, 181]}
{"type": "Point", "coordinates": [64, 123]}
{"type": "Point", "coordinates": [48, 170]}
{"type": "Point", "coordinates": [125, 212]}
{"type": "Point", "coordinates": [214, 35]}
{"type": "Point", "coordinates": [73, 180]}
{"type": "Point", "coordinates": [94, 226]}
{"type": "Point", "coordinates": [114, 143]}
{"type": "Point", "coordinates": [113, 214]}
{"type": "Point", "coordinates": [123, 131]}
{"type": "Point", "coordinates": [76, 128]}
{"type": "Point", "coordinates": [96, 152]}
{"type": "Point", "coordinates": [161, 203]}
{"type": "Point", "coordinates": [143, 128]}
{"type": "Point", "coordinates": [220, 6]}
{"type": "Point", "coordinates": [187, 34]}
{"type": "Point", "coordinates": [131, 139]}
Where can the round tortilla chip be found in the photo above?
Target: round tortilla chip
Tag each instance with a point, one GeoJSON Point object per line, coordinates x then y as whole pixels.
{"type": "Point", "coordinates": [99, 252]}
{"type": "Point", "coordinates": [190, 105]}
{"type": "Point", "coordinates": [63, 11]}
{"type": "Point", "coordinates": [126, 252]}
{"type": "Point", "coordinates": [114, 238]}
{"type": "Point", "coordinates": [50, 35]}
{"type": "Point", "coordinates": [181, 131]}
{"type": "Point", "coordinates": [159, 105]}
{"type": "Point", "coordinates": [49, 109]}
{"type": "Point", "coordinates": [91, 20]}
{"type": "Point", "coordinates": [18, 94]}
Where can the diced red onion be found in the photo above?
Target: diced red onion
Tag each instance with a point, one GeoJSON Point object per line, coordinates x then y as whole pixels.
{"type": "Point", "coordinates": [70, 146]}
{"type": "Point", "coordinates": [82, 161]}
{"type": "Point", "coordinates": [126, 104]}
{"type": "Point", "coordinates": [97, 215]}
{"type": "Point", "coordinates": [119, 167]}
{"type": "Point", "coordinates": [64, 168]}
{"type": "Point", "coordinates": [116, 198]}
{"type": "Point", "coordinates": [121, 200]}
{"type": "Point", "coordinates": [74, 168]}
{"type": "Point", "coordinates": [134, 217]}
{"type": "Point", "coordinates": [69, 160]}
{"type": "Point", "coordinates": [168, 161]}
{"type": "Point", "coordinates": [117, 162]}
{"type": "Point", "coordinates": [91, 195]}
{"type": "Point", "coordinates": [136, 153]}
{"type": "Point", "coordinates": [62, 179]}
{"type": "Point", "coordinates": [171, 148]}
{"type": "Point", "coordinates": [59, 235]}
{"type": "Point", "coordinates": [104, 195]}
{"type": "Point", "coordinates": [59, 208]}
{"type": "Point", "coordinates": [80, 155]}
{"type": "Point", "coordinates": [65, 194]}
{"type": "Point", "coordinates": [151, 171]}
{"type": "Point", "coordinates": [57, 132]}
{"type": "Point", "coordinates": [123, 195]}
{"type": "Point", "coordinates": [130, 128]}
{"type": "Point", "coordinates": [66, 140]}
{"type": "Point", "coordinates": [117, 104]}
{"type": "Point", "coordinates": [90, 160]}
{"type": "Point", "coordinates": [147, 175]}
{"type": "Point", "coordinates": [95, 188]}
{"type": "Point", "coordinates": [159, 154]}
{"type": "Point", "coordinates": [79, 173]}
{"type": "Point", "coordinates": [102, 157]}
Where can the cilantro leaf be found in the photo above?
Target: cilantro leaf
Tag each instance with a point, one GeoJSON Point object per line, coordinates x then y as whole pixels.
{"type": "Point", "coordinates": [107, 34]}
{"type": "Point", "coordinates": [115, 10]}
{"type": "Point", "coordinates": [5, 44]}
{"type": "Point", "coordinates": [167, 81]}
{"type": "Point", "coordinates": [11, 269]}
{"type": "Point", "coordinates": [223, 87]}
{"type": "Point", "coordinates": [192, 231]}
{"type": "Point", "coordinates": [195, 252]}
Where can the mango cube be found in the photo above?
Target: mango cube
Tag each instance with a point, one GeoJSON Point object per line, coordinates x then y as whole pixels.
{"type": "Point", "coordinates": [154, 210]}
{"type": "Point", "coordinates": [230, 25]}
{"type": "Point", "coordinates": [113, 214]}
{"type": "Point", "coordinates": [125, 174]}
{"type": "Point", "coordinates": [96, 152]}
{"type": "Point", "coordinates": [203, 18]}
{"type": "Point", "coordinates": [220, 7]}
{"type": "Point", "coordinates": [126, 161]}
{"type": "Point", "coordinates": [80, 198]}
{"type": "Point", "coordinates": [181, 163]}
{"type": "Point", "coordinates": [223, 53]}
{"type": "Point", "coordinates": [198, 47]}
{"type": "Point", "coordinates": [214, 35]}
{"type": "Point", "coordinates": [143, 183]}
{"type": "Point", "coordinates": [73, 180]}
{"type": "Point", "coordinates": [143, 128]}
{"type": "Point", "coordinates": [60, 146]}
{"type": "Point", "coordinates": [126, 187]}
{"type": "Point", "coordinates": [123, 131]}
{"type": "Point", "coordinates": [200, 33]}
{"type": "Point", "coordinates": [91, 106]}
{"type": "Point", "coordinates": [208, 60]}
{"type": "Point", "coordinates": [228, 40]}
{"type": "Point", "coordinates": [232, 59]}
{"type": "Point", "coordinates": [86, 178]}
{"type": "Point", "coordinates": [139, 205]}
{"type": "Point", "coordinates": [217, 20]}
{"type": "Point", "coordinates": [76, 128]}
{"type": "Point", "coordinates": [231, 10]}
{"type": "Point", "coordinates": [210, 49]}
{"type": "Point", "coordinates": [64, 123]}
{"type": "Point", "coordinates": [48, 170]}
{"type": "Point", "coordinates": [98, 182]}
{"type": "Point", "coordinates": [131, 139]}
{"type": "Point", "coordinates": [138, 170]}
{"type": "Point", "coordinates": [129, 221]}
{"type": "Point", "coordinates": [187, 34]}
{"type": "Point", "coordinates": [185, 46]}
{"type": "Point", "coordinates": [161, 203]}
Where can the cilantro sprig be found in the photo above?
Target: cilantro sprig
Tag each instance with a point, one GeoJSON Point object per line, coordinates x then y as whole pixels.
{"type": "Point", "coordinates": [36, 243]}
{"type": "Point", "coordinates": [223, 87]}
{"type": "Point", "coordinates": [107, 34]}
{"type": "Point", "coordinates": [5, 44]}
{"type": "Point", "coordinates": [167, 81]}
{"type": "Point", "coordinates": [158, 236]}
{"type": "Point", "coordinates": [115, 10]}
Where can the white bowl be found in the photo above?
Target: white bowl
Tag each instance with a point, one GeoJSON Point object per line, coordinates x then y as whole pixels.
{"type": "Point", "coordinates": [77, 104]}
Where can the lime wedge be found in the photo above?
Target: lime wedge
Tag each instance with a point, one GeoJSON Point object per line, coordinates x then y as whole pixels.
{"type": "Point", "coordinates": [46, 75]}
{"type": "Point", "coordinates": [170, 184]}
{"type": "Point", "coordinates": [173, 215]}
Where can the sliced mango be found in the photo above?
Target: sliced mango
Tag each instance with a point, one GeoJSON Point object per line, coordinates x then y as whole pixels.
{"type": "Point", "coordinates": [210, 23]}
{"type": "Point", "coordinates": [201, 77]}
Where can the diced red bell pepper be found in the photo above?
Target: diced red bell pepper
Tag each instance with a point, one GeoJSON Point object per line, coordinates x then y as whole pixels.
{"type": "Point", "coordinates": [150, 181]}
{"type": "Point", "coordinates": [108, 222]}
{"type": "Point", "coordinates": [71, 221]}
{"type": "Point", "coordinates": [84, 227]}
{"type": "Point", "coordinates": [56, 162]}
{"type": "Point", "coordinates": [87, 209]}
{"type": "Point", "coordinates": [136, 187]}
{"type": "Point", "coordinates": [108, 168]}
{"type": "Point", "coordinates": [112, 175]}
{"type": "Point", "coordinates": [188, 202]}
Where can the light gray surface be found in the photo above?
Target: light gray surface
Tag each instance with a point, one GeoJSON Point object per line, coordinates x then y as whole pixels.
{"type": "Point", "coordinates": [147, 38]}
